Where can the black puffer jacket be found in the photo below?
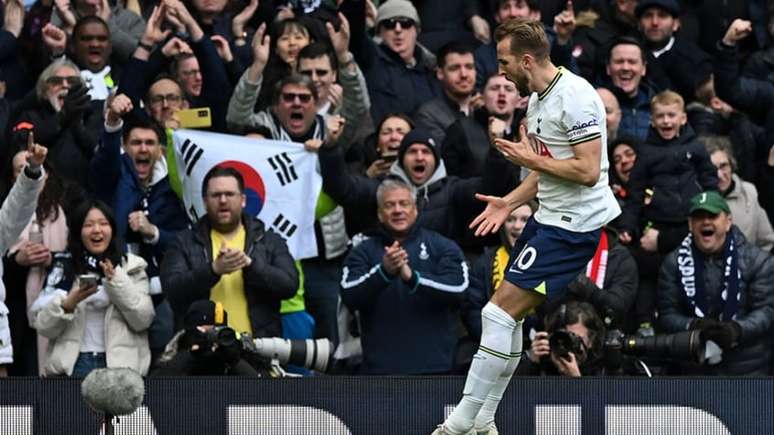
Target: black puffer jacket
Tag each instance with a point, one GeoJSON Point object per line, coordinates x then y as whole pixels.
{"type": "Point", "coordinates": [675, 170]}
{"type": "Point", "coordinates": [756, 306]}
{"type": "Point", "coordinates": [187, 276]}
{"type": "Point", "coordinates": [70, 145]}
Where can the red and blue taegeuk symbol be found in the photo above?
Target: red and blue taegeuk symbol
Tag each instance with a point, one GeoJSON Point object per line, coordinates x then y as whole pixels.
{"type": "Point", "coordinates": [254, 188]}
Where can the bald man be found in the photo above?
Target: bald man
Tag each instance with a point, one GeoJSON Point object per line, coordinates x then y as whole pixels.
{"type": "Point", "coordinates": [612, 112]}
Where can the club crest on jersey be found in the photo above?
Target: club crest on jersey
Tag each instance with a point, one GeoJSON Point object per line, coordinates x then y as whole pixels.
{"type": "Point", "coordinates": [423, 255]}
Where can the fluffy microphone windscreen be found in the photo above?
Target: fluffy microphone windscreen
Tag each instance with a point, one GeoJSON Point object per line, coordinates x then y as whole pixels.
{"type": "Point", "coordinates": [116, 391]}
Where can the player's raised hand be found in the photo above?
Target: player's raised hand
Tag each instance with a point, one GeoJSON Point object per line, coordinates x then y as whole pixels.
{"type": "Point", "coordinates": [493, 216]}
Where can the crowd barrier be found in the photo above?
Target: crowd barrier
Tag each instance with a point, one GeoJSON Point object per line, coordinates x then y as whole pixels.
{"type": "Point", "coordinates": [401, 405]}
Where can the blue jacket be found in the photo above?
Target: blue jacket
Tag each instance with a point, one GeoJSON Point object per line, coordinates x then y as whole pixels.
{"type": "Point", "coordinates": [113, 179]}
{"type": "Point", "coordinates": [394, 87]}
{"type": "Point", "coordinates": [407, 328]}
{"type": "Point", "coordinates": [635, 112]}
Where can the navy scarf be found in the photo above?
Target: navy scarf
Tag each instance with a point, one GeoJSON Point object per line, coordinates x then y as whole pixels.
{"type": "Point", "coordinates": [690, 266]}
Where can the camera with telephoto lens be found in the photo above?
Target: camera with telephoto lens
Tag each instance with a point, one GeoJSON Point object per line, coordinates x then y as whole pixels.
{"type": "Point", "coordinates": [680, 346]}
{"type": "Point", "coordinates": [311, 354]}
{"type": "Point", "coordinates": [563, 342]}
{"type": "Point", "coordinates": [683, 346]}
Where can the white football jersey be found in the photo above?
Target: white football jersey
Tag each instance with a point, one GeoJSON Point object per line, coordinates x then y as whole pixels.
{"type": "Point", "coordinates": [569, 112]}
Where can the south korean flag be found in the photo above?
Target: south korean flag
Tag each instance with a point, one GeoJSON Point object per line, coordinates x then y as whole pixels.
{"type": "Point", "coordinates": [281, 181]}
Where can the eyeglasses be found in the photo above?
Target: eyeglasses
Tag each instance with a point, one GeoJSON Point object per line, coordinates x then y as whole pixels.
{"type": "Point", "coordinates": [170, 98]}
{"type": "Point", "coordinates": [219, 195]}
{"type": "Point", "coordinates": [60, 80]}
{"type": "Point", "coordinates": [318, 72]}
{"type": "Point", "coordinates": [290, 97]}
{"type": "Point", "coordinates": [405, 23]}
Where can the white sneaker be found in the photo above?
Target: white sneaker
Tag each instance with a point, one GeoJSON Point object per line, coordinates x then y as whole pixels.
{"type": "Point", "coordinates": [440, 430]}
{"type": "Point", "coordinates": [489, 430]}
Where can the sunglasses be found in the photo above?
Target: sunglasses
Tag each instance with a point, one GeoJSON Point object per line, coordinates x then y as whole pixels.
{"type": "Point", "coordinates": [59, 80]}
{"type": "Point", "coordinates": [318, 72]}
{"type": "Point", "coordinates": [290, 97]}
{"type": "Point", "coordinates": [392, 23]}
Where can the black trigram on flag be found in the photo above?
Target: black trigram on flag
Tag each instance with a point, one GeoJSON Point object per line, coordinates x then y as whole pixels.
{"type": "Point", "coordinates": [283, 168]}
{"type": "Point", "coordinates": [191, 154]}
{"type": "Point", "coordinates": [283, 226]}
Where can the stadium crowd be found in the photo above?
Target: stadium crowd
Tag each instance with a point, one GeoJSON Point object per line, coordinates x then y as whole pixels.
{"type": "Point", "coordinates": [399, 100]}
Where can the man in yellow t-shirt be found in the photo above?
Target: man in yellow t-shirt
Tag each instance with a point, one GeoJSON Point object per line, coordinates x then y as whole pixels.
{"type": "Point", "coordinates": [229, 257]}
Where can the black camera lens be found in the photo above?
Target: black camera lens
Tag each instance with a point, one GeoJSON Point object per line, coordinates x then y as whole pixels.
{"type": "Point", "coordinates": [564, 342]}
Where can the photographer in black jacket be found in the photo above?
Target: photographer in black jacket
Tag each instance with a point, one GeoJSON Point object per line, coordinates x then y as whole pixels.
{"type": "Point", "coordinates": [206, 347]}
{"type": "Point", "coordinates": [574, 345]}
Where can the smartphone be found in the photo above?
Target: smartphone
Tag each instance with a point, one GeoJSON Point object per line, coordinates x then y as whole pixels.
{"type": "Point", "coordinates": [36, 237]}
{"type": "Point", "coordinates": [87, 280]}
{"type": "Point", "coordinates": [390, 156]}
{"type": "Point", "coordinates": [195, 118]}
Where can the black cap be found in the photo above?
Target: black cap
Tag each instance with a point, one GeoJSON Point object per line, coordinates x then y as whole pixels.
{"type": "Point", "coordinates": [205, 312]}
{"type": "Point", "coordinates": [417, 136]}
{"type": "Point", "coordinates": [670, 6]}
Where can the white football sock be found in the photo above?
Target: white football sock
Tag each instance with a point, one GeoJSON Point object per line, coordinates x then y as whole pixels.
{"type": "Point", "coordinates": [488, 410]}
{"type": "Point", "coordinates": [488, 364]}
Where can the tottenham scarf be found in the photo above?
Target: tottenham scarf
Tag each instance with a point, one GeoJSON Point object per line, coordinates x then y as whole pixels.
{"type": "Point", "coordinates": [690, 266]}
{"type": "Point", "coordinates": [597, 267]}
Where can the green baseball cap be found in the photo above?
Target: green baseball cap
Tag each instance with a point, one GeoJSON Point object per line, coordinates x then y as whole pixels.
{"type": "Point", "coordinates": [710, 201]}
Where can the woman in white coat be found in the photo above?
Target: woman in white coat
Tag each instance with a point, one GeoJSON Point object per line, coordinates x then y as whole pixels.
{"type": "Point", "coordinates": [95, 309]}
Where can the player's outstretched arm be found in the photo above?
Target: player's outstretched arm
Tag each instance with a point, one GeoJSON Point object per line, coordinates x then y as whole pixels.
{"type": "Point", "coordinates": [498, 209]}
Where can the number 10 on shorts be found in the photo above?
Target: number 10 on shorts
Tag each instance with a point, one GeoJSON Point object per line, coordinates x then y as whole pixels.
{"type": "Point", "coordinates": [526, 258]}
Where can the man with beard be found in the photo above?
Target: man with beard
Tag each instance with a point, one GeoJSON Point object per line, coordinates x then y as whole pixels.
{"type": "Point", "coordinates": [559, 36]}
{"type": "Point", "coordinates": [62, 120]}
{"type": "Point", "coordinates": [466, 144]}
{"type": "Point", "coordinates": [457, 73]}
{"type": "Point", "coordinates": [684, 64]}
{"type": "Point", "coordinates": [562, 147]}
{"type": "Point", "coordinates": [719, 283]}
{"type": "Point", "coordinates": [136, 186]}
{"type": "Point", "coordinates": [229, 257]}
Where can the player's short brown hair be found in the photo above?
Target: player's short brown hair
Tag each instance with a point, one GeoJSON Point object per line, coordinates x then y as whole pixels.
{"type": "Point", "coordinates": [665, 98]}
{"type": "Point", "coordinates": [527, 37]}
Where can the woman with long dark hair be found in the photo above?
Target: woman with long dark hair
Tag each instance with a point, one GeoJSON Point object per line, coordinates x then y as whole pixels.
{"type": "Point", "coordinates": [28, 259]}
{"type": "Point", "coordinates": [95, 308]}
